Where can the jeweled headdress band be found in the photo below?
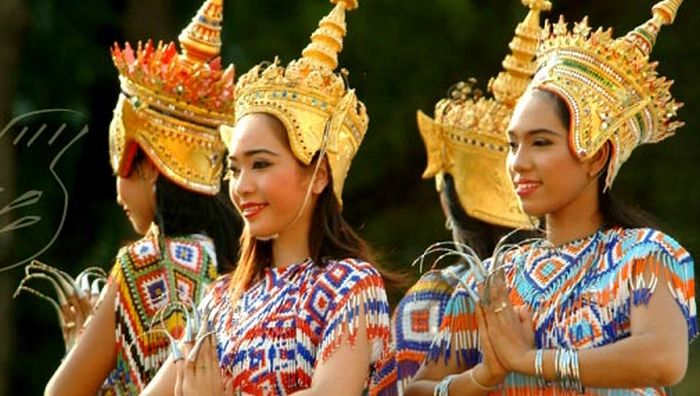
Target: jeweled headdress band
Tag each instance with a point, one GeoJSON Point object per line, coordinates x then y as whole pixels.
{"type": "Point", "coordinates": [613, 92]}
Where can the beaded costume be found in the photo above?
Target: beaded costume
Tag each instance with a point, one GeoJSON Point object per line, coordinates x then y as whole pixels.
{"type": "Point", "coordinates": [144, 273]}
{"type": "Point", "coordinates": [583, 292]}
{"type": "Point", "coordinates": [292, 319]}
{"type": "Point", "coordinates": [415, 324]}
{"type": "Point", "coordinates": [170, 106]}
{"type": "Point", "coordinates": [581, 295]}
{"type": "Point", "coordinates": [466, 140]}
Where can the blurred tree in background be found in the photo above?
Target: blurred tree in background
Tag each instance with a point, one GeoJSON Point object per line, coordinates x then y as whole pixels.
{"type": "Point", "coordinates": [402, 56]}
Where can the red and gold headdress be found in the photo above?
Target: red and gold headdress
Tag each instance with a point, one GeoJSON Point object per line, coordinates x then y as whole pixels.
{"type": "Point", "coordinates": [467, 139]}
{"type": "Point", "coordinates": [172, 104]}
{"type": "Point", "coordinates": [313, 102]}
{"type": "Point", "coordinates": [613, 92]}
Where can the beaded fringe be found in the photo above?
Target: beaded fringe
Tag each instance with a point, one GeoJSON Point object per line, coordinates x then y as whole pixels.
{"type": "Point", "coordinates": [458, 332]}
{"type": "Point", "coordinates": [652, 259]}
{"type": "Point", "coordinates": [368, 297]}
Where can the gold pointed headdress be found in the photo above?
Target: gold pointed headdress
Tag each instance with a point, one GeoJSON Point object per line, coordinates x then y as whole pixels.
{"type": "Point", "coordinates": [319, 111]}
{"type": "Point", "coordinates": [467, 138]}
{"type": "Point", "coordinates": [612, 90]}
{"type": "Point", "coordinates": [171, 104]}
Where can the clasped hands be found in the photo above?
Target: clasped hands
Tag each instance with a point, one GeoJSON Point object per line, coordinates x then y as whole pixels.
{"type": "Point", "coordinates": [506, 333]}
{"type": "Point", "coordinates": [196, 361]}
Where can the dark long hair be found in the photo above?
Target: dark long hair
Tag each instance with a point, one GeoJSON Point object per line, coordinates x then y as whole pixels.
{"type": "Point", "coordinates": [479, 235]}
{"type": "Point", "coordinates": [615, 212]}
{"type": "Point", "coordinates": [182, 212]}
{"type": "Point", "coordinates": [330, 238]}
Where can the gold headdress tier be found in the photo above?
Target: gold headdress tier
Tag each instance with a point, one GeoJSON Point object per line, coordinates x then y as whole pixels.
{"type": "Point", "coordinates": [612, 90]}
{"type": "Point", "coordinates": [172, 104]}
{"type": "Point", "coordinates": [319, 111]}
{"type": "Point", "coordinates": [467, 138]}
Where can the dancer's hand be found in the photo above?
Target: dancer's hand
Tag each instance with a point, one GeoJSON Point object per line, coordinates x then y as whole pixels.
{"type": "Point", "coordinates": [510, 331]}
{"type": "Point", "coordinates": [75, 314]}
{"type": "Point", "coordinates": [494, 368]}
{"type": "Point", "coordinates": [201, 376]}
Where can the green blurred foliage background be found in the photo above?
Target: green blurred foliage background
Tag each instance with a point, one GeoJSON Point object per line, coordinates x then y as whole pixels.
{"type": "Point", "coordinates": [402, 56]}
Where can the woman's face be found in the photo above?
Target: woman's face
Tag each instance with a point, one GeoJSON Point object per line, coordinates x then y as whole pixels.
{"type": "Point", "coordinates": [136, 195]}
{"type": "Point", "coordinates": [267, 183]}
{"type": "Point", "coordinates": [547, 176]}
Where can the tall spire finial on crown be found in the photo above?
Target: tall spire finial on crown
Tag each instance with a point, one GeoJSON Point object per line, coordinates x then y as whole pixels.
{"type": "Point", "coordinates": [201, 39]}
{"type": "Point", "coordinates": [319, 111]}
{"type": "Point", "coordinates": [519, 66]}
{"type": "Point", "coordinates": [467, 139]}
{"type": "Point", "coordinates": [667, 10]}
{"type": "Point", "coordinates": [327, 40]}
{"type": "Point", "coordinates": [643, 37]}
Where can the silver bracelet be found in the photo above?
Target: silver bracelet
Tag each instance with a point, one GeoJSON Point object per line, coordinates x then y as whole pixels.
{"type": "Point", "coordinates": [566, 367]}
{"type": "Point", "coordinates": [577, 372]}
{"type": "Point", "coordinates": [539, 371]}
{"type": "Point", "coordinates": [442, 388]}
{"type": "Point", "coordinates": [569, 372]}
{"type": "Point", "coordinates": [478, 384]}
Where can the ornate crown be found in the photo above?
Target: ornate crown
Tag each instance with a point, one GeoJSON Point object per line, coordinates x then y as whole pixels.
{"type": "Point", "coordinates": [612, 90]}
{"type": "Point", "coordinates": [319, 111]}
{"type": "Point", "coordinates": [171, 104]}
{"type": "Point", "coordinates": [467, 139]}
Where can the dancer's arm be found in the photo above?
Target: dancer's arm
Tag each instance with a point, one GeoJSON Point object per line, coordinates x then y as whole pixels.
{"type": "Point", "coordinates": [89, 362]}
